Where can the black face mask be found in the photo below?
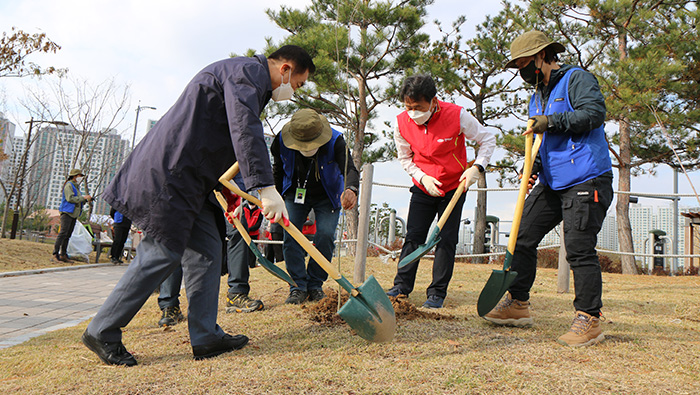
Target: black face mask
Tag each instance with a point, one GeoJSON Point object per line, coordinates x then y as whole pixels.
{"type": "Point", "coordinates": [531, 73]}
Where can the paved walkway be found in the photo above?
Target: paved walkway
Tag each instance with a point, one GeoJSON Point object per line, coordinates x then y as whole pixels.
{"type": "Point", "coordinates": [40, 301]}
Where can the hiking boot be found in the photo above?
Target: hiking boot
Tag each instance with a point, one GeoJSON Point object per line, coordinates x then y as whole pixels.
{"type": "Point", "coordinates": [585, 331]}
{"type": "Point", "coordinates": [171, 316]}
{"type": "Point", "coordinates": [116, 261]}
{"type": "Point", "coordinates": [316, 294]}
{"type": "Point", "coordinates": [395, 292]}
{"type": "Point", "coordinates": [111, 353]}
{"type": "Point", "coordinates": [225, 344]}
{"type": "Point", "coordinates": [65, 258]}
{"type": "Point", "coordinates": [511, 312]}
{"type": "Point", "coordinates": [241, 303]}
{"type": "Point", "coordinates": [434, 302]}
{"type": "Point", "coordinates": [56, 259]}
{"type": "Point", "coordinates": [296, 296]}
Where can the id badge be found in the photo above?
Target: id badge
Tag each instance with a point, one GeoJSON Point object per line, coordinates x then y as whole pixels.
{"type": "Point", "coordinates": [300, 196]}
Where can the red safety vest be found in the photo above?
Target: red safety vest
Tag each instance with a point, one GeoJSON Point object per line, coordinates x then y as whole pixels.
{"type": "Point", "coordinates": [438, 147]}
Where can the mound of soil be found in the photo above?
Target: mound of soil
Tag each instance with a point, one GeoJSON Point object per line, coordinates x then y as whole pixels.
{"type": "Point", "coordinates": [325, 312]}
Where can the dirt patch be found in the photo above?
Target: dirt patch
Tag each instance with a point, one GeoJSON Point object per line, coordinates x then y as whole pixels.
{"type": "Point", "coordinates": [325, 312]}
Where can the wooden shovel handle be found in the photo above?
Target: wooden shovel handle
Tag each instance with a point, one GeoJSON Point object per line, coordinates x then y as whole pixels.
{"type": "Point", "coordinates": [451, 205]}
{"type": "Point", "coordinates": [530, 155]}
{"type": "Point", "coordinates": [225, 180]}
{"type": "Point", "coordinates": [236, 222]}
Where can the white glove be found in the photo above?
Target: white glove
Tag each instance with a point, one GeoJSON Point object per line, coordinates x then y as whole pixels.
{"type": "Point", "coordinates": [471, 175]}
{"type": "Point", "coordinates": [237, 212]}
{"type": "Point", "coordinates": [432, 185]}
{"type": "Point", "coordinates": [273, 207]}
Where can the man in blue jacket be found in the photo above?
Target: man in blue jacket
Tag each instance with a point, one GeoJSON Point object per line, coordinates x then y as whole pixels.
{"type": "Point", "coordinates": [575, 184]}
{"type": "Point", "coordinates": [311, 161]}
{"type": "Point", "coordinates": [165, 186]}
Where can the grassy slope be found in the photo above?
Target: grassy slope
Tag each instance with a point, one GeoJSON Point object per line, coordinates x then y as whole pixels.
{"type": "Point", "coordinates": [653, 346]}
{"type": "Point", "coordinates": [16, 255]}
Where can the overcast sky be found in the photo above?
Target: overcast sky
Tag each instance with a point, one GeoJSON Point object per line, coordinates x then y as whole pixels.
{"type": "Point", "coordinates": [156, 46]}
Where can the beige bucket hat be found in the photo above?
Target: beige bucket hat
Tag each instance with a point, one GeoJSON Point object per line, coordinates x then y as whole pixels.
{"type": "Point", "coordinates": [306, 131]}
{"type": "Point", "coordinates": [530, 43]}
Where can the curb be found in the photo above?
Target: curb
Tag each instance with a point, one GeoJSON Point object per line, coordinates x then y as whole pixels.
{"type": "Point", "coordinates": [53, 269]}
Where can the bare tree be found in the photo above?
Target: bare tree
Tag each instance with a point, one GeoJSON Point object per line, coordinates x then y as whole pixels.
{"type": "Point", "coordinates": [93, 112]}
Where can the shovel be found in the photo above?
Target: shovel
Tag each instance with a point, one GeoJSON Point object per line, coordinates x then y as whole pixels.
{"type": "Point", "coordinates": [368, 311]}
{"type": "Point", "coordinates": [434, 237]}
{"type": "Point", "coordinates": [269, 266]}
{"type": "Point", "coordinates": [500, 280]}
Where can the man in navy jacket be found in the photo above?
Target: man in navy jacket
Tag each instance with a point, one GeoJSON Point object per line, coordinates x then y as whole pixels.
{"type": "Point", "coordinates": [165, 187]}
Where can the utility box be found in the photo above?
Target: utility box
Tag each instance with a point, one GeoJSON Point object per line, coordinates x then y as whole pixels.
{"type": "Point", "coordinates": [491, 234]}
{"type": "Point", "coordinates": [658, 247]}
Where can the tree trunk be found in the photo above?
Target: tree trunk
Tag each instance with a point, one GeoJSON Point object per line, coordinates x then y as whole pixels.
{"type": "Point", "coordinates": [480, 221]}
{"type": "Point", "coordinates": [624, 228]}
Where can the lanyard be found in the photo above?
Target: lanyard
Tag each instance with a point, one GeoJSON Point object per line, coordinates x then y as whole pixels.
{"type": "Point", "coordinates": [311, 165]}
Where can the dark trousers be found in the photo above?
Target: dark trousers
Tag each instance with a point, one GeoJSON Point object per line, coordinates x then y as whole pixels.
{"type": "Point", "coordinates": [583, 208]}
{"type": "Point", "coordinates": [422, 209]}
{"type": "Point", "coordinates": [201, 265]}
{"type": "Point", "coordinates": [64, 233]}
{"type": "Point", "coordinates": [310, 277]}
{"type": "Point", "coordinates": [238, 258]}
{"type": "Point", "coordinates": [273, 252]}
{"type": "Point", "coordinates": [120, 235]}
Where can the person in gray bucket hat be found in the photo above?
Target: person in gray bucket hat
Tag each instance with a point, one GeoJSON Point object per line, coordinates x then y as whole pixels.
{"type": "Point", "coordinates": [313, 169]}
{"type": "Point", "coordinates": [574, 184]}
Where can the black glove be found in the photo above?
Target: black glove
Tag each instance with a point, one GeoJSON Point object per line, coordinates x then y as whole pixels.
{"type": "Point", "coordinates": [541, 123]}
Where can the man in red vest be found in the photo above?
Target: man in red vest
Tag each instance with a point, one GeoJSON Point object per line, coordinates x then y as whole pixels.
{"type": "Point", "coordinates": [431, 145]}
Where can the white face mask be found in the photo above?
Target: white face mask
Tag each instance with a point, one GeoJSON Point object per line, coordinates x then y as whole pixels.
{"type": "Point", "coordinates": [284, 91]}
{"type": "Point", "coordinates": [309, 153]}
{"type": "Point", "coordinates": [420, 117]}
{"type": "Point", "coordinates": [78, 180]}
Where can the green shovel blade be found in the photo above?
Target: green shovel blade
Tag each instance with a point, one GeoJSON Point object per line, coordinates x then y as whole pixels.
{"type": "Point", "coordinates": [496, 287]}
{"type": "Point", "coordinates": [370, 313]}
{"type": "Point", "coordinates": [422, 249]}
{"type": "Point", "coordinates": [271, 267]}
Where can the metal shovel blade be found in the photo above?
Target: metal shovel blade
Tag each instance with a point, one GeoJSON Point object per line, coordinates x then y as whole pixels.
{"type": "Point", "coordinates": [422, 249]}
{"type": "Point", "coordinates": [434, 238]}
{"type": "Point", "coordinates": [495, 288]}
{"type": "Point", "coordinates": [271, 267]}
{"type": "Point", "coordinates": [370, 313]}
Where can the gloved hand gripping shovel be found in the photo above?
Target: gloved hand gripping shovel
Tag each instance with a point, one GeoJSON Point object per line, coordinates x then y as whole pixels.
{"type": "Point", "coordinates": [368, 310]}
{"type": "Point", "coordinates": [434, 237]}
{"type": "Point", "coordinates": [269, 266]}
{"type": "Point", "coordinates": [500, 280]}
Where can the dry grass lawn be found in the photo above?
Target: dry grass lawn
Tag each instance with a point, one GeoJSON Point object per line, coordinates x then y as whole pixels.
{"type": "Point", "coordinates": [652, 346]}
{"type": "Point", "coordinates": [16, 255]}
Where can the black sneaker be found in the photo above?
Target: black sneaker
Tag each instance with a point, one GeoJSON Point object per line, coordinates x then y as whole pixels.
{"type": "Point", "coordinates": [316, 294]}
{"type": "Point", "coordinates": [296, 296]}
{"type": "Point", "coordinates": [171, 316]}
{"type": "Point", "coordinates": [111, 353]}
{"type": "Point", "coordinates": [115, 261]}
{"type": "Point", "coordinates": [395, 292]}
{"type": "Point", "coordinates": [241, 303]}
{"type": "Point", "coordinates": [226, 344]}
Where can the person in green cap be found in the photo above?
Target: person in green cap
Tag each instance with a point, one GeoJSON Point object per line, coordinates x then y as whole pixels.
{"type": "Point", "coordinates": [70, 209]}
{"type": "Point", "coordinates": [313, 170]}
{"type": "Point", "coordinates": [575, 184]}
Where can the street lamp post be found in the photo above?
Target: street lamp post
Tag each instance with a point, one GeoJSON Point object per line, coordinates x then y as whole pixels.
{"type": "Point", "coordinates": [138, 110]}
{"type": "Point", "coordinates": [23, 168]}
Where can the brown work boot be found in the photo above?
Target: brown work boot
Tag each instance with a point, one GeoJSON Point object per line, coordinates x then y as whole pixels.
{"type": "Point", "coordinates": [585, 331]}
{"type": "Point", "coordinates": [64, 258]}
{"type": "Point", "coordinates": [511, 312]}
{"type": "Point", "coordinates": [56, 259]}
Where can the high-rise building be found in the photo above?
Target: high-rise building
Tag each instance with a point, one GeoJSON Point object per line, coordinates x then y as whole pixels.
{"type": "Point", "coordinates": [7, 134]}
{"type": "Point", "coordinates": [607, 237]}
{"type": "Point", "coordinates": [57, 149]}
